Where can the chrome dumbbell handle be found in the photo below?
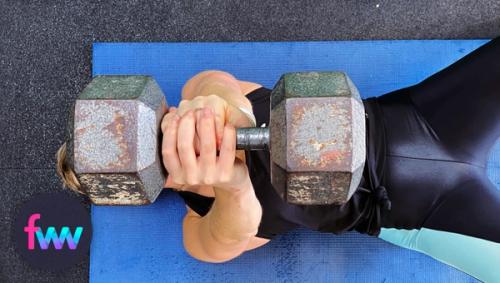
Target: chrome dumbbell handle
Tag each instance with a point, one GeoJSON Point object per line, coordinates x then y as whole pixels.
{"type": "Point", "coordinates": [252, 138]}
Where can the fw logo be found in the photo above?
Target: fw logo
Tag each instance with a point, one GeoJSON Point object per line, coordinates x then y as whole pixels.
{"type": "Point", "coordinates": [61, 225]}
{"type": "Point", "coordinates": [51, 235]}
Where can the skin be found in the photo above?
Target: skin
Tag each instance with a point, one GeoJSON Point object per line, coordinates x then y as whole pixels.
{"type": "Point", "coordinates": [208, 117]}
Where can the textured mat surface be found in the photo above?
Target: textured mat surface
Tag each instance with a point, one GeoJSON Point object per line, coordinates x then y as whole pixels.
{"type": "Point", "coordinates": [144, 244]}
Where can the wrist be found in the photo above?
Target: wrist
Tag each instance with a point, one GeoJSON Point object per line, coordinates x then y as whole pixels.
{"type": "Point", "coordinates": [235, 215]}
{"type": "Point", "coordinates": [241, 190]}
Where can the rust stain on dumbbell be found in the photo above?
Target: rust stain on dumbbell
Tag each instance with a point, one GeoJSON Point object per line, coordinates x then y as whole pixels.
{"type": "Point", "coordinates": [104, 135]}
{"type": "Point", "coordinates": [116, 127]}
{"type": "Point", "coordinates": [332, 155]}
{"type": "Point", "coordinates": [316, 144]}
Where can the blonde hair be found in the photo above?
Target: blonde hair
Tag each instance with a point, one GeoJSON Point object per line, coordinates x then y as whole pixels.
{"type": "Point", "coordinates": [65, 172]}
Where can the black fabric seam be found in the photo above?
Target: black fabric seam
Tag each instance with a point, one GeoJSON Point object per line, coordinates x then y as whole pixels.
{"type": "Point", "coordinates": [418, 110]}
{"type": "Point", "coordinates": [435, 159]}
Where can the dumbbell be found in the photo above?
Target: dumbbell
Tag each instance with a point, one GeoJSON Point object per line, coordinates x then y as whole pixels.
{"type": "Point", "coordinates": [316, 139]}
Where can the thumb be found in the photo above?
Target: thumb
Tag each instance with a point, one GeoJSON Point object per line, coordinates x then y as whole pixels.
{"type": "Point", "coordinates": [169, 183]}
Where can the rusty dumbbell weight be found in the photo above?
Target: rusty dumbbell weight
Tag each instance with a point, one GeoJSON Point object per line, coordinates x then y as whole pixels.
{"type": "Point", "coordinates": [316, 139]}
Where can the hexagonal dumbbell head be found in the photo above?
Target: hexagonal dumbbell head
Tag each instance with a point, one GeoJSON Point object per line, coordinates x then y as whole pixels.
{"type": "Point", "coordinates": [317, 137]}
{"type": "Point", "coordinates": [114, 140]}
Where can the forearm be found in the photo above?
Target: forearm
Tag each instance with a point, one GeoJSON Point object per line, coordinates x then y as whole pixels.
{"type": "Point", "coordinates": [234, 217]}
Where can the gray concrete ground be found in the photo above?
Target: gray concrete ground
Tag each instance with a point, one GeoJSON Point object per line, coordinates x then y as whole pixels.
{"type": "Point", "coordinates": [45, 51]}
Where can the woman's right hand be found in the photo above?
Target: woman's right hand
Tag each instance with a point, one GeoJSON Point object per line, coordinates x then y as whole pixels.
{"type": "Point", "coordinates": [186, 169]}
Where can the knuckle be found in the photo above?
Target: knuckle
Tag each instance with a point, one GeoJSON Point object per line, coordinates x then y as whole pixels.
{"type": "Point", "coordinates": [181, 107]}
{"type": "Point", "coordinates": [224, 177]}
{"type": "Point", "coordinates": [186, 118]}
{"type": "Point", "coordinates": [213, 98]}
{"type": "Point", "coordinates": [229, 146]}
{"type": "Point", "coordinates": [177, 180]}
{"type": "Point", "coordinates": [182, 147]}
{"type": "Point", "coordinates": [205, 118]}
{"type": "Point", "coordinates": [167, 121]}
{"type": "Point", "coordinates": [166, 118]}
{"type": "Point", "coordinates": [208, 180]}
{"type": "Point", "coordinates": [175, 176]}
{"type": "Point", "coordinates": [207, 144]}
{"type": "Point", "coordinates": [218, 119]}
{"type": "Point", "coordinates": [191, 181]}
{"type": "Point", "coordinates": [198, 113]}
{"type": "Point", "coordinates": [167, 152]}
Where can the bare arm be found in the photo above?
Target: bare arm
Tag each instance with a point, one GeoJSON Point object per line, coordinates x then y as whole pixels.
{"type": "Point", "coordinates": [220, 83]}
{"type": "Point", "coordinates": [228, 229]}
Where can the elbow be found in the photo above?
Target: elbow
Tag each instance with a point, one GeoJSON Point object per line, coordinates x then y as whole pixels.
{"type": "Point", "coordinates": [215, 75]}
{"type": "Point", "coordinates": [194, 86]}
{"type": "Point", "coordinates": [205, 257]}
{"type": "Point", "coordinates": [218, 78]}
{"type": "Point", "coordinates": [196, 249]}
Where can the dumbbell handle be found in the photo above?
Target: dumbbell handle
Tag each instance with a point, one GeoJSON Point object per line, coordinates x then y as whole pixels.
{"type": "Point", "coordinates": [252, 138]}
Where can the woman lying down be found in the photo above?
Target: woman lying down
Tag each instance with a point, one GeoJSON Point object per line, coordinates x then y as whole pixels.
{"type": "Point", "coordinates": [424, 184]}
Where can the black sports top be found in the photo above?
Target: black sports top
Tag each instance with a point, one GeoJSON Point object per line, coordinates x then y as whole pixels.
{"type": "Point", "coordinates": [361, 213]}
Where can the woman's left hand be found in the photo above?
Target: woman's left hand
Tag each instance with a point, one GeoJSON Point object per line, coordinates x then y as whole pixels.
{"type": "Point", "coordinates": [224, 113]}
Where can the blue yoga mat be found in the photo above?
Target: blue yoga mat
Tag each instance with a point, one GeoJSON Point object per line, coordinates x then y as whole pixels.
{"type": "Point", "coordinates": [144, 244]}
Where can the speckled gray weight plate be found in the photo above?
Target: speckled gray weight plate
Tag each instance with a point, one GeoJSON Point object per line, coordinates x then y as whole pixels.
{"type": "Point", "coordinates": [115, 137]}
{"type": "Point", "coordinates": [317, 138]}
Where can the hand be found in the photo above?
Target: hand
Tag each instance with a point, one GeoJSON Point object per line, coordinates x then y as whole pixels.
{"type": "Point", "coordinates": [179, 158]}
{"type": "Point", "coordinates": [224, 113]}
